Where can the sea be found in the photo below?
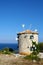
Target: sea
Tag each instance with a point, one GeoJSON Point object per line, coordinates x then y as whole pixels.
{"type": "Point", "coordinates": [14, 46]}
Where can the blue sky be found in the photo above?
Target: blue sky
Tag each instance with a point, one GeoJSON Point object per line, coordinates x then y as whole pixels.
{"type": "Point", "coordinates": [14, 13]}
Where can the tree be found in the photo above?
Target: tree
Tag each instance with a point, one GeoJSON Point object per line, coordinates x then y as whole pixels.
{"type": "Point", "coordinates": [34, 54]}
{"type": "Point", "coordinates": [35, 49]}
{"type": "Point", "coordinates": [41, 47]}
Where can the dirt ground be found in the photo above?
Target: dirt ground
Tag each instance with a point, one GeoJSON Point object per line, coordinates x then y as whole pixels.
{"type": "Point", "coordinates": [12, 60]}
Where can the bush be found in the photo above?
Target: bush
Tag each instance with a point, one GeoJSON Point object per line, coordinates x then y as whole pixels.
{"type": "Point", "coordinates": [41, 47]}
{"type": "Point", "coordinates": [11, 50]}
{"type": "Point", "coordinates": [32, 57]}
{"type": "Point", "coordinates": [7, 51]}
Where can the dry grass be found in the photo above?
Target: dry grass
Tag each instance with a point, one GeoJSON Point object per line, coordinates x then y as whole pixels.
{"type": "Point", "coordinates": [12, 60]}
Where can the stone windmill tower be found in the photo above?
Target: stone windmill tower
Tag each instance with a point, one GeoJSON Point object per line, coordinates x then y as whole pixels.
{"type": "Point", "coordinates": [25, 41]}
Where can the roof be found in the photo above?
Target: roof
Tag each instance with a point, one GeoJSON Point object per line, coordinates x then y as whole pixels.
{"type": "Point", "coordinates": [28, 32]}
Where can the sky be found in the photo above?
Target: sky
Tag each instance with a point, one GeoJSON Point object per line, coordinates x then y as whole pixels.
{"type": "Point", "coordinates": [14, 13]}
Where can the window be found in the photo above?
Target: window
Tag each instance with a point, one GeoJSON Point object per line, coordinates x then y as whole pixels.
{"type": "Point", "coordinates": [28, 47]}
{"type": "Point", "coordinates": [31, 37]}
{"type": "Point", "coordinates": [25, 36]}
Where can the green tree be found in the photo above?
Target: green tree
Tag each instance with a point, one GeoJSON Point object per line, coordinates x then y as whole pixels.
{"type": "Point", "coordinates": [41, 47]}
{"type": "Point", "coordinates": [35, 51]}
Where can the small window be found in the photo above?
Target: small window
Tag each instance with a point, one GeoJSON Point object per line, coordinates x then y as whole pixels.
{"type": "Point", "coordinates": [28, 47]}
{"type": "Point", "coordinates": [25, 36]}
{"type": "Point", "coordinates": [31, 37]}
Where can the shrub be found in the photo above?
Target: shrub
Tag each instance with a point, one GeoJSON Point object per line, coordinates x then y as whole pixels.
{"type": "Point", "coordinates": [7, 51]}
{"type": "Point", "coordinates": [11, 50]}
{"type": "Point", "coordinates": [32, 57]}
{"type": "Point", "coordinates": [41, 47]}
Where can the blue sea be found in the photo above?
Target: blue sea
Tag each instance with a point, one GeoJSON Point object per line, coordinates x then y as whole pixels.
{"type": "Point", "coordinates": [10, 45]}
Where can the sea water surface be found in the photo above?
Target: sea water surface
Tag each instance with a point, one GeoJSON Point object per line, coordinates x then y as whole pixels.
{"type": "Point", "coordinates": [9, 45]}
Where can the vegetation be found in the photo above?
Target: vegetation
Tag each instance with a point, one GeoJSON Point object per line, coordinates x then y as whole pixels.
{"type": "Point", "coordinates": [7, 51]}
{"type": "Point", "coordinates": [40, 47]}
{"type": "Point", "coordinates": [32, 57]}
{"type": "Point", "coordinates": [35, 47]}
{"type": "Point", "coordinates": [34, 54]}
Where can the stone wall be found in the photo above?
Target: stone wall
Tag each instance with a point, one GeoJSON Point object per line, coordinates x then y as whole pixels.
{"type": "Point", "coordinates": [25, 43]}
